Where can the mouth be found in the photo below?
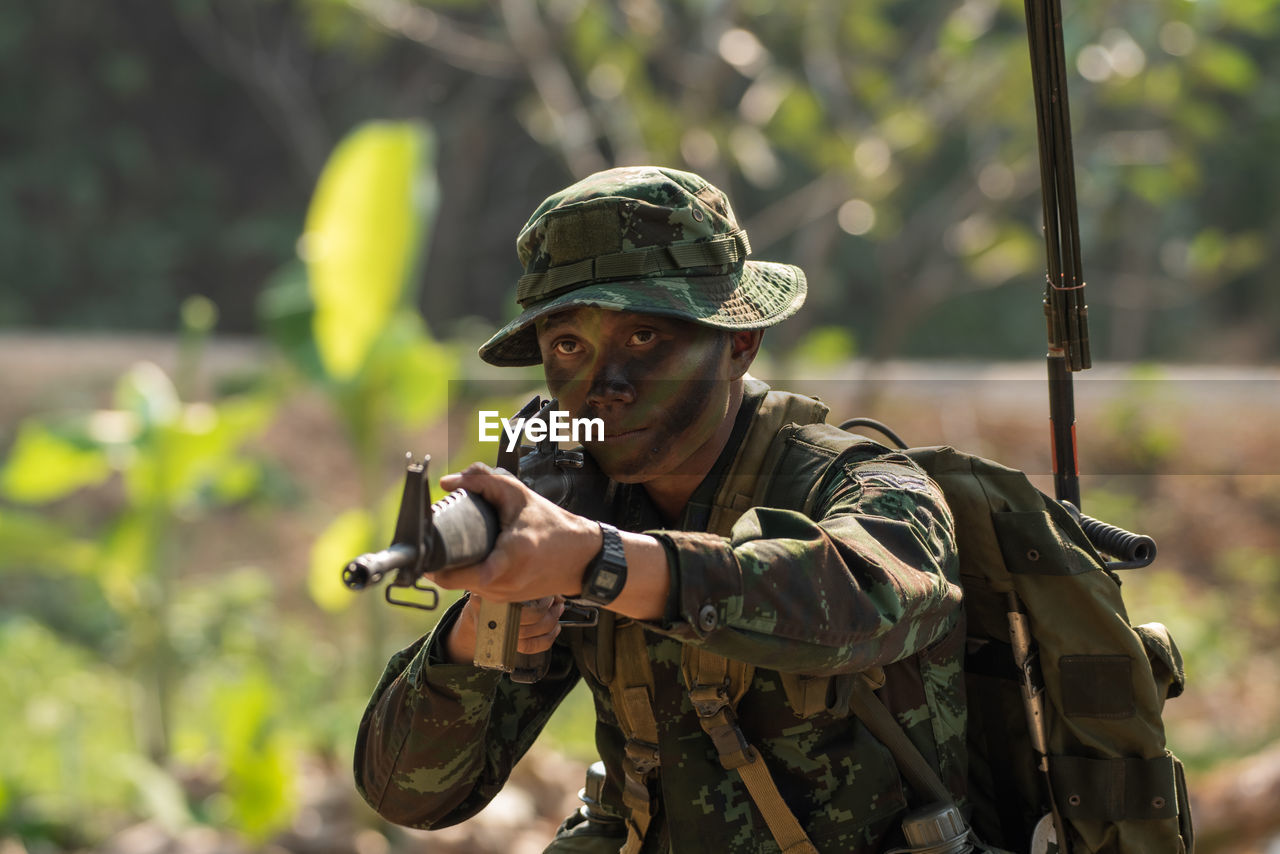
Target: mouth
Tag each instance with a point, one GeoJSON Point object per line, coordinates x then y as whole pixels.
{"type": "Point", "coordinates": [624, 434]}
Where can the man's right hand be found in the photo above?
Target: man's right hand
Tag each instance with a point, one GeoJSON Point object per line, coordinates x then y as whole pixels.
{"type": "Point", "coordinates": [539, 627]}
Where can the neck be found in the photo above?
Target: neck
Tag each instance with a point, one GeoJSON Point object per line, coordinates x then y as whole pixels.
{"type": "Point", "coordinates": [671, 492]}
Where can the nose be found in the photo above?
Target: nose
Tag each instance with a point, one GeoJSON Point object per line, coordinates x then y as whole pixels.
{"type": "Point", "coordinates": [610, 387]}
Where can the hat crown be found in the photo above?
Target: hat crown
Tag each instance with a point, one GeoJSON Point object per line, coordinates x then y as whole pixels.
{"type": "Point", "coordinates": [621, 210]}
{"type": "Point", "coordinates": [645, 239]}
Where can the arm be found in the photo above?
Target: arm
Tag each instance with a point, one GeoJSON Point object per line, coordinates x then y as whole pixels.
{"type": "Point", "coordinates": [438, 739]}
{"type": "Point", "coordinates": [543, 550]}
{"type": "Point", "coordinates": [869, 580]}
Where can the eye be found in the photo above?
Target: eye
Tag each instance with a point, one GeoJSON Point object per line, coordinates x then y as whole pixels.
{"type": "Point", "coordinates": [565, 346]}
{"type": "Point", "coordinates": [642, 336]}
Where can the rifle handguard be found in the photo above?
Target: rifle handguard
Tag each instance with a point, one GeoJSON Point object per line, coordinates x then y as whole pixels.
{"type": "Point", "coordinates": [458, 530]}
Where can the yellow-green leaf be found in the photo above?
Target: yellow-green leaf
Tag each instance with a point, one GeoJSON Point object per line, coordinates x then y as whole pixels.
{"type": "Point", "coordinates": [362, 236]}
{"type": "Point", "coordinates": [34, 540]}
{"type": "Point", "coordinates": [258, 764]}
{"type": "Point", "coordinates": [347, 536]}
{"type": "Point", "coordinates": [44, 466]}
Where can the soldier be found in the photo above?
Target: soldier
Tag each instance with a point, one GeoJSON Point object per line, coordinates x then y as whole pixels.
{"type": "Point", "coordinates": [762, 562]}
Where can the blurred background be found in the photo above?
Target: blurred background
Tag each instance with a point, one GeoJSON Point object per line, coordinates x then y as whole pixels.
{"type": "Point", "coordinates": [248, 249]}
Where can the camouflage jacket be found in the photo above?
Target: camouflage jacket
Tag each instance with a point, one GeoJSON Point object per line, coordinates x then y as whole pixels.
{"type": "Point", "coordinates": [869, 580]}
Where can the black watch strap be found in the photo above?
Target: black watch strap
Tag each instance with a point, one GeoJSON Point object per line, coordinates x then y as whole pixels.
{"type": "Point", "coordinates": [606, 574]}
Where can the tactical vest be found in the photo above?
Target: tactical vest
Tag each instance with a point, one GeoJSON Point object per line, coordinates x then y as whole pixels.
{"type": "Point", "coordinates": [1101, 769]}
{"type": "Point", "coordinates": [717, 684]}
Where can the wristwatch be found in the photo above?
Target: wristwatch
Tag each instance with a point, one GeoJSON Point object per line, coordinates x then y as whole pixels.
{"type": "Point", "coordinates": [606, 574]}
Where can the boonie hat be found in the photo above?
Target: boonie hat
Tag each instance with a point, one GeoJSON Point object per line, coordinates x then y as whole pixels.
{"type": "Point", "coordinates": [643, 239]}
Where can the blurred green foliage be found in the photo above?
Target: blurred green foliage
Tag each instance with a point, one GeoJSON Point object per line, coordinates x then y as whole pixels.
{"type": "Point", "coordinates": [888, 148]}
{"type": "Point", "coordinates": [160, 673]}
{"type": "Point", "coordinates": [166, 150]}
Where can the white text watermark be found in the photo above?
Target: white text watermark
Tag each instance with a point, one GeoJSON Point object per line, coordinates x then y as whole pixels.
{"type": "Point", "coordinates": [558, 427]}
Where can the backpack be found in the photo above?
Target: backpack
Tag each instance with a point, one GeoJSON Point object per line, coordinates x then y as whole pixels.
{"type": "Point", "coordinates": [1110, 779]}
{"type": "Point", "coordinates": [1045, 622]}
{"type": "Point", "coordinates": [1099, 772]}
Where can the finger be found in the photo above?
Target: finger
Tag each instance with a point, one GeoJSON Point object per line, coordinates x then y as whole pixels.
{"type": "Point", "coordinates": [534, 622]}
{"type": "Point", "coordinates": [539, 643]}
{"type": "Point", "coordinates": [476, 577]}
{"type": "Point", "coordinates": [535, 610]}
{"type": "Point", "coordinates": [505, 493]}
{"type": "Point", "coordinates": [476, 473]}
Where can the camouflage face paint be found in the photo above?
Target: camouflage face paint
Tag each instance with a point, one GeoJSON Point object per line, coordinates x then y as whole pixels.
{"type": "Point", "coordinates": [660, 384]}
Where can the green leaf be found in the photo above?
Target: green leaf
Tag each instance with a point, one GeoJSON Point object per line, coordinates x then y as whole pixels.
{"type": "Point", "coordinates": [1207, 251]}
{"type": "Point", "coordinates": [1014, 253]}
{"type": "Point", "coordinates": [28, 540]}
{"type": "Point", "coordinates": [1225, 66]}
{"type": "Point", "coordinates": [126, 555]}
{"type": "Point", "coordinates": [826, 346]}
{"type": "Point", "coordinates": [259, 769]}
{"type": "Point", "coordinates": [346, 537]}
{"type": "Point", "coordinates": [44, 465]}
{"type": "Point", "coordinates": [412, 369]}
{"type": "Point", "coordinates": [287, 313]}
{"type": "Point", "coordinates": [363, 232]}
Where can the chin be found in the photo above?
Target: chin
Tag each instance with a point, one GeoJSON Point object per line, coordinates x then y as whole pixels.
{"type": "Point", "coordinates": [636, 468]}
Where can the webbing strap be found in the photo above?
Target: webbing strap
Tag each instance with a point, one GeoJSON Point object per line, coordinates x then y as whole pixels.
{"type": "Point", "coordinates": [715, 683]}
{"type": "Point", "coordinates": [710, 678]}
{"type": "Point", "coordinates": [881, 723]}
{"type": "Point", "coordinates": [746, 482]}
{"type": "Point", "coordinates": [726, 250]}
{"type": "Point", "coordinates": [633, 704]}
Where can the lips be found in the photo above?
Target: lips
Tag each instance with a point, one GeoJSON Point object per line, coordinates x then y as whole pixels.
{"type": "Point", "coordinates": [623, 434]}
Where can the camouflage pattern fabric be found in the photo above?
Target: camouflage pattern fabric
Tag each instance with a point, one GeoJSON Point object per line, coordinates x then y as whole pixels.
{"type": "Point", "coordinates": [643, 239]}
{"type": "Point", "coordinates": [867, 579]}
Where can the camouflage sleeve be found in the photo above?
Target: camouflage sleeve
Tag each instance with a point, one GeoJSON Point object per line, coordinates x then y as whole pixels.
{"type": "Point", "coordinates": [870, 579]}
{"type": "Point", "coordinates": [439, 740]}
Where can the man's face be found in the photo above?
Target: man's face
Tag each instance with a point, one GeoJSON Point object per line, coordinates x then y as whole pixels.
{"type": "Point", "coordinates": [661, 385]}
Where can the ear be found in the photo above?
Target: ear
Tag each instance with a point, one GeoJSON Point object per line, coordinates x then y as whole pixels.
{"type": "Point", "coordinates": [744, 344]}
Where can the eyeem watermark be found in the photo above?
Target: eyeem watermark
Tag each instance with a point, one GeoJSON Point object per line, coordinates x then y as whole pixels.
{"type": "Point", "coordinates": [558, 427]}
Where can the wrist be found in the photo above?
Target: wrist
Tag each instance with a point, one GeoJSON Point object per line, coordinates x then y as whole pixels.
{"type": "Point", "coordinates": [605, 575]}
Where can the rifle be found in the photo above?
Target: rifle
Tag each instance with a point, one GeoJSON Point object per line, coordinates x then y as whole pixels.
{"type": "Point", "coordinates": [460, 530]}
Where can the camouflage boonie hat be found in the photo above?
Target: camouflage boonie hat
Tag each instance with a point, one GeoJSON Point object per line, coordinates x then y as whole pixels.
{"type": "Point", "coordinates": [643, 239]}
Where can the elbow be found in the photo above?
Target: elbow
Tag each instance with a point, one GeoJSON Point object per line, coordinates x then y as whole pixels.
{"type": "Point", "coordinates": [405, 805]}
{"type": "Point", "coordinates": [407, 809]}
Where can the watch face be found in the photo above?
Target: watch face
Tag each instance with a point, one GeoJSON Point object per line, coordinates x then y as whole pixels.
{"type": "Point", "coordinates": [605, 580]}
{"type": "Point", "coordinates": [607, 573]}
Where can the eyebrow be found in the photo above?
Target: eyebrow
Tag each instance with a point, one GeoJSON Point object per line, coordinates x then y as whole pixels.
{"type": "Point", "coordinates": [558, 319]}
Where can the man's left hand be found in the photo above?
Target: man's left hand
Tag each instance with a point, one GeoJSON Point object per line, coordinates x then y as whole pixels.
{"type": "Point", "coordinates": [541, 550]}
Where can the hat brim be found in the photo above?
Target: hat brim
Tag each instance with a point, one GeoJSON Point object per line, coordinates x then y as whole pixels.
{"type": "Point", "coordinates": [763, 294]}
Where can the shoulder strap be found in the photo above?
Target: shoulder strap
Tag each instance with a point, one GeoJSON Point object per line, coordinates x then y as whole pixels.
{"type": "Point", "coordinates": [631, 689]}
{"type": "Point", "coordinates": [716, 684]}
{"type": "Point", "coordinates": [743, 487]}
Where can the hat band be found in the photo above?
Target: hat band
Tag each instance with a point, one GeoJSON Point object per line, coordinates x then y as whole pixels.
{"type": "Point", "coordinates": [728, 249]}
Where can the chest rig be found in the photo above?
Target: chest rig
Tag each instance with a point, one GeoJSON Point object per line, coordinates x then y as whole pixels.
{"type": "Point", "coordinates": [716, 684]}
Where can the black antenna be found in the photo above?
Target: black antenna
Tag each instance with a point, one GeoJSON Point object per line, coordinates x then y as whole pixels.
{"type": "Point", "coordinates": [1066, 314]}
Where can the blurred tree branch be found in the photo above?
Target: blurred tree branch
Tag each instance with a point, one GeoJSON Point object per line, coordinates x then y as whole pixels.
{"type": "Point", "coordinates": [450, 40]}
{"type": "Point", "coordinates": [574, 130]}
{"type": "Point", "coordinates": [229, 35]}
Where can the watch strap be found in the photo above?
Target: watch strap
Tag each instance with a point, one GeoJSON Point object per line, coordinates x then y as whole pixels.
{"type": "Point", "coordinates": [606, 574]}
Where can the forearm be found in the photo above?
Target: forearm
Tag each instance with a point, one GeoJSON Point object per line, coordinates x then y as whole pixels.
{"type": "Point", "coordinates": [648, 587]}
{"type": "Point", "coordinates": [426, 754]}
{"type": "Point", "coordinates": [871, 582]}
